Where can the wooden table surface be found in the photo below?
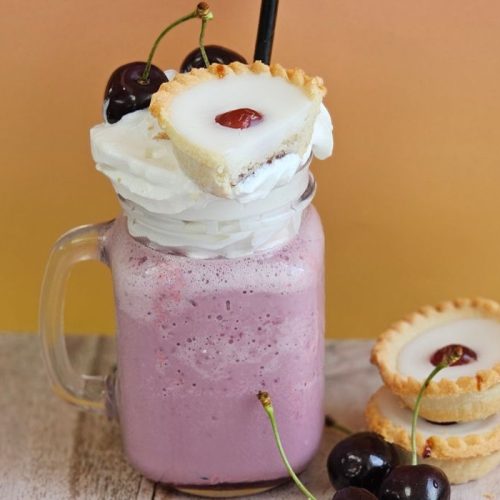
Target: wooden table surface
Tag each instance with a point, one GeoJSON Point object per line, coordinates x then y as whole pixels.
{"type": "Point", "coordinates": [50, 450]}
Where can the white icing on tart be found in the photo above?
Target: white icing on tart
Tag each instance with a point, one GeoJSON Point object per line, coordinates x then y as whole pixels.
{"type": "Point", "coordinates": [402, 353]}
{"type": "Point", "coordinates": [482, 335]}
{"type": "Point", "coordinates": [284, 108]}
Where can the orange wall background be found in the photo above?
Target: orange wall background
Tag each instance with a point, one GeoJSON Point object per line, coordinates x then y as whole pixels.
{"type": "Point", "coordinates": [410, 200]}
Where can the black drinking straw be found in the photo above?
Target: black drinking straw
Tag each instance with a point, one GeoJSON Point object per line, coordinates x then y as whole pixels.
{"type": "Point", "coordinates": [265, 33]}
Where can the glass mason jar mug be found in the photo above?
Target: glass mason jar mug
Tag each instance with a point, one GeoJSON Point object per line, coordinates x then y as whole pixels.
{"type": "Point", "coordinates": [207, 315]}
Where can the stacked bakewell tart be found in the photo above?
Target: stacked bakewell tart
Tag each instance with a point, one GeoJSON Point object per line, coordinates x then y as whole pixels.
{"type": "Point", "coordinates": [459, 424]}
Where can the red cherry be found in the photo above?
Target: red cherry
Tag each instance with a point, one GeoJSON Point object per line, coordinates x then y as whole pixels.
{"type": "Point", "coordinates": [411, 482]}
{"type": "Point", "coordinates": [468, 355]}
{"type": "Point", "coordinates": [126, 92]}
{"type": "Point", "coordinates": [239, 118]}
{"type": "Point", "coordinates": [363, 460]}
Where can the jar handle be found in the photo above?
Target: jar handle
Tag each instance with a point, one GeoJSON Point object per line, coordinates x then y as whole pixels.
{"type": "Point", "coordinates": [88, 392]}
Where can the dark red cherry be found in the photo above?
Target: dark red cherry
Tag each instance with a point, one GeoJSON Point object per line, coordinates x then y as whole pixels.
{"type": "Point", "coordinates": [352, 493]}
{"type": "Point", "coordinates": [410, 482]}
{"type": "Point", "coordinates": [468, 355]}
{"type": "Point", "coordinates": [215, 54]}
{"type": "Point", "coordinates": [363, 459]}
{"type": "Point", "coordinates": [127, 92]}
{"type": "Point", "coordinates": [239, 118]}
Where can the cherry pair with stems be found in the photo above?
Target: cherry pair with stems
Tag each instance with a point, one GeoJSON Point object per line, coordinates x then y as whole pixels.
{"type": "Point", "coordinates": [364, 466]}
{"type": "Point", "coordinates": [131, 86]}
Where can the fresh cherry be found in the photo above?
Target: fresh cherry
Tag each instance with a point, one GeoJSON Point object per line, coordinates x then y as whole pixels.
{"type": "Point", "coordinates": [363, 459]}
{"type": "Point", "coordinates": [353, 493]}
{"type": "Point", "coordinates": [468, 355]}
{"type": "Point", "coordinates": [239, 118]}
{"type": "Point", "coordinates": [126, 90]}
{"type": "Point", "coordinates": [215, 54]}
{"type": "Point", "coordinates": [422, 482]}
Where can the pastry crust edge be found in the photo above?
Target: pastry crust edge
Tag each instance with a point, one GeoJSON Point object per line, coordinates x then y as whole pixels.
{"type": "Point", "coordinates": [446, 448]}
{"type": "Point", "coordinates": [312, 86]}
{"type": "Point", "coordinates": [388, 345]}
{"type": "Point", "coordinates": [463, 470]}
{"type": "Point", "coordinates": [464, 407]}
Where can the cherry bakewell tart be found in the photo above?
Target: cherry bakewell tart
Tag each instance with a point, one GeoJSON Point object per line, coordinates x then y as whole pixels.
{"type": "Point", "coordinates": [467, 390]}
{"type": "Point", "coordinates": [464, 451]}
{"type": "Point", "coordinates": [227, 121]}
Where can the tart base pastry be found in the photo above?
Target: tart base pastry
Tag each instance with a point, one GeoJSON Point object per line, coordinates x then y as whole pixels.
{"type": "Point", "coordinates": [465, 451]}
{"type": "Point", "coordinates": [459, 408]}
{"type": "Point", "coordinates": [459, 393]}
{"type": "Point", "coordinates": [466, 469]}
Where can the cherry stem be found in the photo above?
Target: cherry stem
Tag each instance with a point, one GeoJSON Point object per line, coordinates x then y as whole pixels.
{"type": "Point", "coordinates": [202, 12]}
{"type": "Point", "coordinates": [448, 360]}
{"type": "Point", "coordinates": [341, 428]}
{"type": "Point", "coordinates": [204, 21]}
{"type": "Point", "coordinates": [265, 400]}
{"type": "Point", "coordinates": [332, 423]}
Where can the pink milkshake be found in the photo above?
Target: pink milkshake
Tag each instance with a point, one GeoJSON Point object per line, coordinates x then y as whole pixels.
{"type": "Point", "coordinates": [198, 340]}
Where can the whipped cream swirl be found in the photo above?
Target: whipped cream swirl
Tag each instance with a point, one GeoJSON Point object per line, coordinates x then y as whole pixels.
{"type": "Point", "coordinates": [165, 206]}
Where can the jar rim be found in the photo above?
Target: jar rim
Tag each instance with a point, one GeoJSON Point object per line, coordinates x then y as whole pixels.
{"type": "Point", "coordinates": [237, 233]}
